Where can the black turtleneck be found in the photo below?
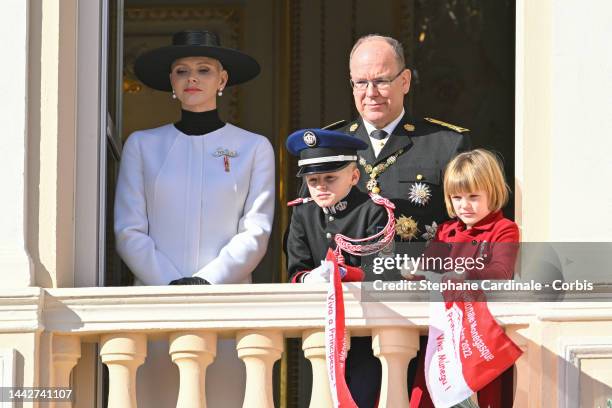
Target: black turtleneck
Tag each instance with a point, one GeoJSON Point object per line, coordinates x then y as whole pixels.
{"type": "Point", "coordinates": [199, 123]}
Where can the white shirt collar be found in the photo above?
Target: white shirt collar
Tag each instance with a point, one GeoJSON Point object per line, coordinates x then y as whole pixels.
{"type": "Point", "coordinates": [389, 128]}
{"type": "Point", "coordinates": [377, 145]}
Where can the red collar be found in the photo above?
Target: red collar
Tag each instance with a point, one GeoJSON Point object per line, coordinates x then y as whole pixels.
{"type": "Point", "coordinates": [486, 224]}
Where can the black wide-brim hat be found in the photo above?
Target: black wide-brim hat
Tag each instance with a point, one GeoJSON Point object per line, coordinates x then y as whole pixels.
{"type": "Point", "coordinates": [153, 67]}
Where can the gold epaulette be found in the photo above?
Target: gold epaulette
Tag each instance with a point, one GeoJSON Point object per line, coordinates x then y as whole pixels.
{"type": "Point", "coordinates": [458, 129]}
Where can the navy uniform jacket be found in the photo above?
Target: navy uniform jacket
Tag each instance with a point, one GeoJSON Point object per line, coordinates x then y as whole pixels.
{"type": "Point", "coordinates": [428, 147]}
{"type": "Point", "coordinates": [312, 231]}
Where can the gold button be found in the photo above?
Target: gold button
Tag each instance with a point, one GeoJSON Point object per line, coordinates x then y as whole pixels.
{"type": "Point", "coordinates": [328, 235]}
{"type": "Point", "coordinates": [419, 177]}
{"type": "Point", "coordinates": [331, 218]}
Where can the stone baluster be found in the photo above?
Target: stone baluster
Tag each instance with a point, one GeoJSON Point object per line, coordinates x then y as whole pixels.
{"type": "Point", "coordinates": [313, 344]}
{"type": "Point", "coordinates": [192, 352]}
{"type": "Point", "coordinates": [123, 353]}
{"type": "Point", "coordinates": [517, 334]}
{"type": "Point", "coordinates": [66, 354]}
{"type": "Point", "coordinates": [259, 350]}
{"type": "Point", "coordinates": [395, 347]}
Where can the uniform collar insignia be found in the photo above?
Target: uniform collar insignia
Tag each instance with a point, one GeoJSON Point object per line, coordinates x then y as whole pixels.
{"type": "Point", "coordinates": [409, 127]}
{"type": "Point", "coordinates": [341, 206]}
{"type": "Point", "coordinates": [354, 127]}
{"type": "Point", "coordinates": [338, 207]}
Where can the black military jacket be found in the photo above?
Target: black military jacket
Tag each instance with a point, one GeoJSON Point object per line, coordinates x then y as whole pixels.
{"type": "Point", "coordinates": [428, 147]}
{"type": "Point", "coordinates": [312, 231]}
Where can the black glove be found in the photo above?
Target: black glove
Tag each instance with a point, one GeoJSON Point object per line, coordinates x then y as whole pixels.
{"type": "Point", "coordinates": [193, 280]}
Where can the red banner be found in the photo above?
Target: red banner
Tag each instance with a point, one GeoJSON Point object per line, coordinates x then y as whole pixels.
{"type": "Point", "coordinates": [335, 338]}
{"type": "Point", "coordinates": [466, 348]}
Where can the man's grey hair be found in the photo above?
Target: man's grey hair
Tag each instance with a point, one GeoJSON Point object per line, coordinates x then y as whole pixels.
{"type": "Point", "coordinates": [398, 50]}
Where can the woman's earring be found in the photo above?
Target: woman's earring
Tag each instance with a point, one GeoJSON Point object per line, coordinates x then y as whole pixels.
{"type": "Point", "coordinates": [173, 94]}
{"type": "Point", "coordinates": [220, 93]}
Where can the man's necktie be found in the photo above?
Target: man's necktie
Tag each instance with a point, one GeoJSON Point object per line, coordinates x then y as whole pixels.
{"type": "Point", "coordinates": [378, 134]}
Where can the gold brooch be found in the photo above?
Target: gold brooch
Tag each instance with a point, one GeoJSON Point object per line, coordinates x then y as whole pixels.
{"type": "Point", "coordinates": [406, 227]}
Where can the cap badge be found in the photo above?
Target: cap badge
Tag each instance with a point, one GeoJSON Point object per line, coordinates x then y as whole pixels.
{"type": "Point", "coordinates": [310, 139]}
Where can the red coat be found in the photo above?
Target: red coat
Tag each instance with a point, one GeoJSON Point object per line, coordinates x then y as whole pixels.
{"type": "Point", "coordinates": [495, 238]}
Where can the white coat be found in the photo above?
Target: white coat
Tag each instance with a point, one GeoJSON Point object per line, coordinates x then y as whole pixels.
{"type": "Point", "coordinates": [180, 212]}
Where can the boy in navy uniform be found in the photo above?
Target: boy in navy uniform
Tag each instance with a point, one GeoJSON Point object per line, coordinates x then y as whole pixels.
{"type": "Point", "coordinates": [327, 163]}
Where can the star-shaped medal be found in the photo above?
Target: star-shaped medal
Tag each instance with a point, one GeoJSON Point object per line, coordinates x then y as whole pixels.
{"type": "Point", "coordinates": [419, 194]}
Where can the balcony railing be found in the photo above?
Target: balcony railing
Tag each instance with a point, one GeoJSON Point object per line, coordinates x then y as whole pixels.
{"type": "Point", "coordinates": [259, 317]}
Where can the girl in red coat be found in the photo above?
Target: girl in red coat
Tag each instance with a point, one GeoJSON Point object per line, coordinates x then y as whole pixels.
{"type": "Point", "coordinates": [474, 193]}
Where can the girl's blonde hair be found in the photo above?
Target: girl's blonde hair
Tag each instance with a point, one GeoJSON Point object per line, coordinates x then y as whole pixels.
{"type": "Point", "coordinates": [476, 170]}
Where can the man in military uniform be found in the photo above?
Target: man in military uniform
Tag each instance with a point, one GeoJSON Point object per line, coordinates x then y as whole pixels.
{"type": "Point", "coordinates": [404, 162]}
{"type": "Point", "coordinates": [405, 159]}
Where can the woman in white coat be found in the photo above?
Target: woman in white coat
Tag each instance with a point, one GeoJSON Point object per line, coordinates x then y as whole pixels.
{"type": "Point", "coordinates": [195, 199]}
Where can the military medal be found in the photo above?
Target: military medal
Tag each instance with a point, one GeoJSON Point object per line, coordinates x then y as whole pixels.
{"type": "Point", "coordinates": [375, 171]}
{"type": "Point", "coordinates": [419, 194]}
{"type": "Point", "coordinates": [226, 154]}
{"type": "Point", "coordinates": [406, 228]}
{"type": "Point", "coordinates": [430, 231]}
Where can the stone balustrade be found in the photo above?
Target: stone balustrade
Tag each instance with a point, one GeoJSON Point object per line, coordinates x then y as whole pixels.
{"type": "Point", "coordinates": [258, 317]}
